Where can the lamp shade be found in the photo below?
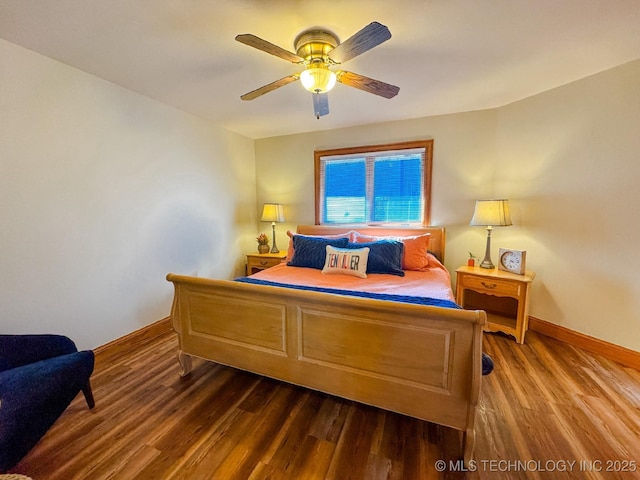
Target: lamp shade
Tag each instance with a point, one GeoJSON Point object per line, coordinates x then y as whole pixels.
{"type": "Point", "coordinates": [318, 79]}
{"type": "Point", "coordinates": [272, 212]}
{"type": "Point", "coordinates": [491, 213]}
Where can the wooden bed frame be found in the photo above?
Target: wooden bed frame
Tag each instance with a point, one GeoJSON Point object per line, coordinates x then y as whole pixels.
{"type": "Point", "coordinates": [416, 360]}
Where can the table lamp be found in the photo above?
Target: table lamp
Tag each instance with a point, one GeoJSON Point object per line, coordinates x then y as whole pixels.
{"type": "Point", "coordinates": [490, 213]}
{"type": "Point", "coordinates": [273, 212]}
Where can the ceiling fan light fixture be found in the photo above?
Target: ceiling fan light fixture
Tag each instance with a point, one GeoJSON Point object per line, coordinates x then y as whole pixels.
{"type": "Point", "coordinates": [318, 79]}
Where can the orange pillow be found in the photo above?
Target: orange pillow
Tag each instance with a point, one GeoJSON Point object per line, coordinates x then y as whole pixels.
{"type": "Point", "coordinates": [291, 250]}
{"type": "Point", "coordinates": [415, 253]}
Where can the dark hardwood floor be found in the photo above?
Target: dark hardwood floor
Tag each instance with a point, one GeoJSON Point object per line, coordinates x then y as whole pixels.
{"type": "Point", "coordinates": [545, 406]}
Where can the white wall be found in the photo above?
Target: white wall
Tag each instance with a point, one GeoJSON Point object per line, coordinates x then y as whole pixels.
{"type": "Point", "coordinates": [102, 193]}
{"type": "Point", "coordinates": [570, 159]}
{"type": "Point", "coordinates": [567, 159]}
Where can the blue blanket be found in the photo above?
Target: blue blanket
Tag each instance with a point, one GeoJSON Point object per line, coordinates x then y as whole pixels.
{"type": "Point", "coordinates": [434, 302]}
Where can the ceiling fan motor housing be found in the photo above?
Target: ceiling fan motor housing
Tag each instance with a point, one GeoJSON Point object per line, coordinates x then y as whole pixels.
{"type": "Point", "coordinates": [314, 46]}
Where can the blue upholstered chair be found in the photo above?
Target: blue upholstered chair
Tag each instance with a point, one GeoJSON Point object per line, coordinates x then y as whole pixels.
{"type": "Point", "coordinates": [39, 377]}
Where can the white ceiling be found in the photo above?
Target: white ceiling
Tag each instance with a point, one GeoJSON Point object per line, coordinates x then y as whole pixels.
{"type": "Point", "coordinates": [445, 55]}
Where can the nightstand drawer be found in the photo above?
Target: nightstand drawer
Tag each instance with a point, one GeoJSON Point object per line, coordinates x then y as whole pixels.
{"type": "Point", "coordinates": [264, 262]}
{"type": "Point", "coordinates": [491, 286]}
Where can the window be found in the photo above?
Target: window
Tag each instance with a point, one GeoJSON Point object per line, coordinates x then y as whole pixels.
{"type": "Point", "coordinates": [380, 184]}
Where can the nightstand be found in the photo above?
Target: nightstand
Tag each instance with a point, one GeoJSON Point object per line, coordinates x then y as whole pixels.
{"type": "Point", "coordinates": [503, 295]}
{"type": "Point", "coordinates": [261, 261]}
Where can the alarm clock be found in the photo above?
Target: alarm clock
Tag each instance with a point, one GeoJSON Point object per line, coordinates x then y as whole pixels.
{"type": "Point", "coordinates": [512, 260]}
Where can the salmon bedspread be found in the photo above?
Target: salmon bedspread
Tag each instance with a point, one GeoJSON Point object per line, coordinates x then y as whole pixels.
{"type": "Point", "coordinates": [434, 283]}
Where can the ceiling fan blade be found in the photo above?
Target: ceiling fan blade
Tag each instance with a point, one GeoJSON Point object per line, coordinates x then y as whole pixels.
{"type": "Point", "coordinates": [370, 36]}
{"type": "Point", "coordinates": [320, 104]}
{"type": "Point", "coordinates": [367, 84]}
{"type": "Point", "coordinates": [260, 44]}
{"type": "Point", "coordinates": [270, 87]}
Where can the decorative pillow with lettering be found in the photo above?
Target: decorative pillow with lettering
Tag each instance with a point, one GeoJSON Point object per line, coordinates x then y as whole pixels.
{"type": "Point", "coordinates": [347, 261]}
{"type": "Point", "coordinates": [310, 252]}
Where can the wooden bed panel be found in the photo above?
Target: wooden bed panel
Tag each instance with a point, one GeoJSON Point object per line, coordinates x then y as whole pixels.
{"type": "Point", "coordinates": [395, 353]}
{"type": "Point", "coordinates": [262, 325]}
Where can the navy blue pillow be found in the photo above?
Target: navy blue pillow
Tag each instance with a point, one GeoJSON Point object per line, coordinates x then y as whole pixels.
{"type": "Point", "coordinates": [385, 256]}
{"type": "Point", "coordinates": [311, 251]}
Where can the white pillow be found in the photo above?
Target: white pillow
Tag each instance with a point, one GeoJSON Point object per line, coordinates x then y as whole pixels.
{"type": "Point", "coordinates": [348, 261]}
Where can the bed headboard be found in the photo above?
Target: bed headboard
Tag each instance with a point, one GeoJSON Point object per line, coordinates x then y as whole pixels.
{"type": "Point", "coordinates": [436, 242]}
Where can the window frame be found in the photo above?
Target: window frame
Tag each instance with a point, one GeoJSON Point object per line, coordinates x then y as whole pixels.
{"type": "Point", "coordinates": [426, 187]}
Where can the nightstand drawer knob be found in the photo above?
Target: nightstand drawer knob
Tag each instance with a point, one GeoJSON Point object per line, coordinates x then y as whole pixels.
{"type": "Point", "coordinates": [489, 286]}
{"type": "Point", "coordinates": [264, 263]}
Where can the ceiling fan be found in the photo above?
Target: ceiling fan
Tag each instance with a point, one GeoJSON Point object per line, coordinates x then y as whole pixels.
{"type": "Point", "coordinates": [318, 51]}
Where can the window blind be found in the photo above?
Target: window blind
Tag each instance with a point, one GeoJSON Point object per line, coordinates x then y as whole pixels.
{"type": "Point", "coordinates": [373, 187]}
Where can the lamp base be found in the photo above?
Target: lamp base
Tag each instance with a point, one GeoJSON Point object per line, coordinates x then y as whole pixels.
{"type": "Point", "coordinates": [274, 247]}
{"type": "Point", "coordinates": [486, 262]}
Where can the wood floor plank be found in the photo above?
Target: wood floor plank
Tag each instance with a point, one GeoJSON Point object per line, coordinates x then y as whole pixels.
{"type": "Point", "coordinates": [290, 448]}
{"type": "Point", "coordinates": [248, 444]}
{"type": "Point", "coordinates": [350, 461]}
{"type": "Point", "coordinates": [544, 402]}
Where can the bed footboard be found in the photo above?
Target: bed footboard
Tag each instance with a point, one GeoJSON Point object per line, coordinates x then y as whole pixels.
{"type": "Point", "coordinates": [420, 361]}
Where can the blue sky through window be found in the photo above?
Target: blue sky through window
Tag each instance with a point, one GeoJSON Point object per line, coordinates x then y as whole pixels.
{"type": "Point", "coordinates": [345, 191]}
{"type": "Point", "coordinates": [397, 189]}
